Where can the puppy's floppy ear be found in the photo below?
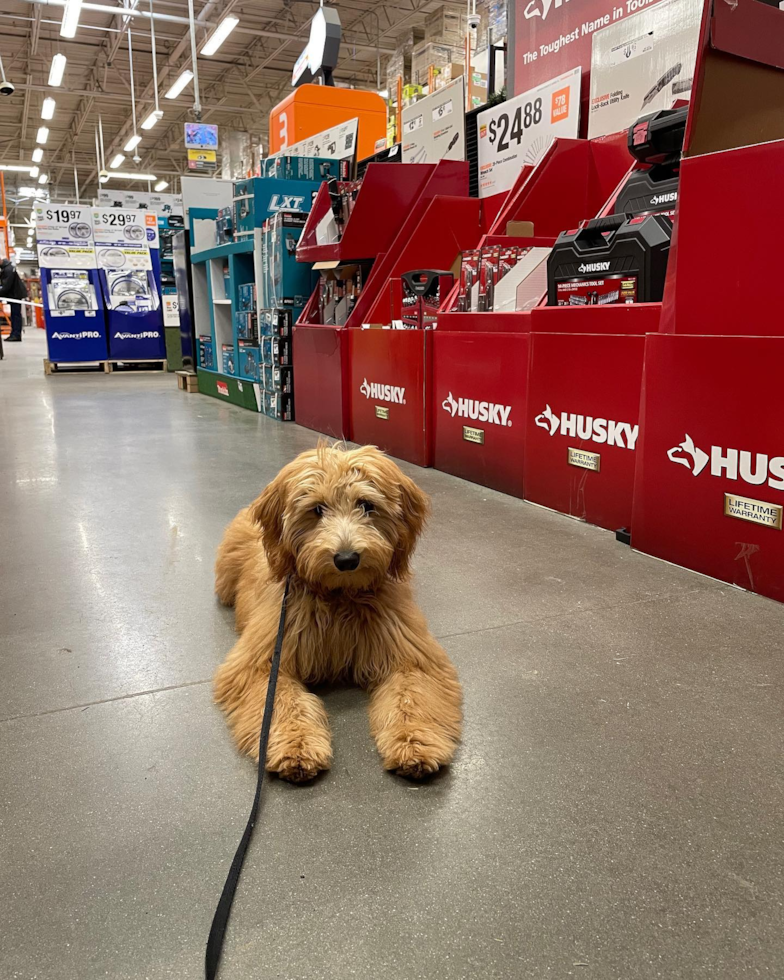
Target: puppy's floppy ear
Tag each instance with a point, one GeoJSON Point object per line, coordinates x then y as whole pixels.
{"type": "Point", "coordinates": [267, 510]}
{"type": "Point", "coordinates": [415, 507]}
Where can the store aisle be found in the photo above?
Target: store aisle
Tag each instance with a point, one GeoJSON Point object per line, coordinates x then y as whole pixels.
{"type": "Point", "coordinates": [615, 810]}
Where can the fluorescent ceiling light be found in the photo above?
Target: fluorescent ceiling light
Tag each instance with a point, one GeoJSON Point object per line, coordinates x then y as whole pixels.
{"type": "Point", "coordinates": [152, 119]}
{"type": "Point", "coordinates": [179, 85]}
{"type": "Point", "coordinates": [38, 154]}
{"type": "Point", "coordinates": [57, 70]}
{"type": "Point", "coordinates": [48, 107]}
{"type": "Point", "coordinates": [219, 35]}
{"type": "Point", "coordinates": [43, 178]}
{"type": "Point", "coordinates": [42, 135]}
{"type": "Point", "coordinates": [35, 171]}
{"type": "Point", "coordinates": [131, 176]}
{"type": "Point", "coordinates": [161, 185]}
{"type": "Point", "coordinates": [116, 161]}
{"type": "Point", "coordinates": [71, 18]}
{"type": "Point", "coordinates": [132, 143]}
{"type": "Point", "coordinates": [20, 168]}
{"type": "Point", "coordinates": [27, 192]}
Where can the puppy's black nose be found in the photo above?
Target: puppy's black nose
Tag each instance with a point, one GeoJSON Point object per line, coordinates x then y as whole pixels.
{"type": "Point", "coordinates": [346, 561]}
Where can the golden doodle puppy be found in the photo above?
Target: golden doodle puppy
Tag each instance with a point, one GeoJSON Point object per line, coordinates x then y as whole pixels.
{"type": "Point", "coordinates": [343, 524]}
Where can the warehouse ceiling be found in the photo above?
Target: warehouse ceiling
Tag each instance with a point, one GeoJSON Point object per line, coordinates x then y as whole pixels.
{"type": "Point", "coordinates": [248, 75]}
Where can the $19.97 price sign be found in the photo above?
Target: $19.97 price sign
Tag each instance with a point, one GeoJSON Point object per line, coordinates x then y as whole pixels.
{"type": "Point", "coordinates": [518, 132]}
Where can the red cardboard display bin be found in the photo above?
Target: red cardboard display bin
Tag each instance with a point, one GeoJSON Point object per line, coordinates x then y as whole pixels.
{"type": "Point", "coordinates": [582, 426]}
{"type": "Point", "coordinates": [389, 372]}
{"type": "Point", "coordinates": [478, 397]}
{"type": "Point", "coordinates": [709, 491]}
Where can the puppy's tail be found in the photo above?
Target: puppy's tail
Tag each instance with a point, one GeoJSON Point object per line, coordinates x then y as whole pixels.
{"type": "Point", "coordinates": [240, 544]}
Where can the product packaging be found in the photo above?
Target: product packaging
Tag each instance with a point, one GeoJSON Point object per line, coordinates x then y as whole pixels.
{"type": "Point", "coordinates": [642, 63]}
{"type": "Point", "coordinates": [249, 357]}
{"type": "Point", "coordinates": [277, 379]}
{"type": "Point", "coordinates": [279, 406]}
{"type": "Point", "coordinates": [206, 355]}
{"type": "Point", "coordinates": [227, 358]}
{"type": "Point", "coordinates": [247, 325]}
{"type": "Point", "coordinates": [275, 323]}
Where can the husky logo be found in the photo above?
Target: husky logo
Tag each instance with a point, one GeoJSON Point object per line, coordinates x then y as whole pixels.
{"type": "Point", "coordinates": [467, 408]}
{"type": "Point", "coordinates": [547, 420]}
{"type": "Point", "coordinates": [383, 393]}
{"type": "Point", "coordinates": [541, 8]}
{"type": "Point", "coordinates": [697, 460]}
{"type": "Point", "coordinates": [84, 335]}
{"type": "Point", "coordinates": [664, 198]}
{"type": "Point", "coordinates": [286, 202]}
{"type": "Point", "coordinates": [622, 434]}
{"type": "Point", "coordinates": [146, 335]}
{"type": "Point", "coordinates": [593, 267]}
{"type": "Point", "coordinates": [733, 464]}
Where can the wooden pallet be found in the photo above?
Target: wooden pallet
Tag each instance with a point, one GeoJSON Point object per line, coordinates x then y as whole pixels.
{"type": "Point", "coordinates": [187, 380]}
{"type": "Point", "coordinates": [108, 367]}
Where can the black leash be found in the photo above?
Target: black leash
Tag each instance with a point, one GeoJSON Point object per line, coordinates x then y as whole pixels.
{"type": "Point", "coordinates": [221, 918]}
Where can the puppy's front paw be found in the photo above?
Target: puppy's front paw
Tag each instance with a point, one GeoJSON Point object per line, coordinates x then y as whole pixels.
{"type": "Point", "coordinates": [298, 770]}
{"type": "Point", "coordinates": [413, 760]}
{"type": "Point", "coordinates": [301, 762]}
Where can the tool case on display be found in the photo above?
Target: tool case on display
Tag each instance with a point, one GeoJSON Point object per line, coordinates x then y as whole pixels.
{"type": "Point", "coordinates": [655, 141]}
{"type": "Point", "coordinates": [617, 259]}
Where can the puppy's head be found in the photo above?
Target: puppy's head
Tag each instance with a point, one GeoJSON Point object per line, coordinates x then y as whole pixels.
{"type": "Point", "coordinates": [340, 518]}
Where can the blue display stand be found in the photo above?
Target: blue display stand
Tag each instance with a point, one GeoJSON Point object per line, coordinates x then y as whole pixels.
{"type": "Point", "coordinates": [134, 336]}
{"type": "Point", "coordinates": [74, 336]}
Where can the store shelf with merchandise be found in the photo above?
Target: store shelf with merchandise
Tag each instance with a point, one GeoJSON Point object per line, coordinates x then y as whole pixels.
{"type": "Point", "coordinates": [374, 237]}
{"type": "Point", "coordinates": [219, 272]}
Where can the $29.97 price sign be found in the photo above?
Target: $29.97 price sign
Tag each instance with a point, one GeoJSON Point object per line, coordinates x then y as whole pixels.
{"type": "Point", "coordinates": [518, 132]}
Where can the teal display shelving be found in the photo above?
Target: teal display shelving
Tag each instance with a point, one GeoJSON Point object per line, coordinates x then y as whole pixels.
{"type": "Point", "coordinates": [218, 272]}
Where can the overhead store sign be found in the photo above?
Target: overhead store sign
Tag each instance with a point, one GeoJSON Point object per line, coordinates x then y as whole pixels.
{"type": "Point", "coordinates": [321, 52]}
{"type": "Point", "coordinates": [433, 129]}
{"type": "Point", "coordinates": [64, 235]}
{"type": "Point", "coordinates": [519, 131]}
{"type": "Point", "coordinates": [123, 238]}
{"type": "Point", "coordinates": [337, 143]}
{"type": "Point", "coordinates": [202, 160]}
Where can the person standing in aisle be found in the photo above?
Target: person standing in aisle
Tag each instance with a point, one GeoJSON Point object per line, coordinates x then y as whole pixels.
{"type": "Point", "coordinates": [12, 287]}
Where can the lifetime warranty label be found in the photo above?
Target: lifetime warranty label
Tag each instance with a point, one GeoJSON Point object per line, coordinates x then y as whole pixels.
{"type": "Point", "coordinates": [474, 435]}
{"type": "Point", "coordinates": [381, 412]}
{"type": "Point", "coordinates": [755, 511]}
{"type": "Point", "coordinates": [583, 459]}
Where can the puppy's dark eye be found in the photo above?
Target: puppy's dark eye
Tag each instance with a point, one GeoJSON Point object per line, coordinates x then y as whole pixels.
{"type": "Point", "coordinates": [366, 506]}
{"type": "Point", "coordinates": [318, 510]}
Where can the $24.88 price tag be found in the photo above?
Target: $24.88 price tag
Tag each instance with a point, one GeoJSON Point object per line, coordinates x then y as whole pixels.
{"type": "Point", "coordinates": [519, 131]}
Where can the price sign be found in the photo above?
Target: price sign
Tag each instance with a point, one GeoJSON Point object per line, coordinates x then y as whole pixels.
{"type": "Point", "coordinates": [433, 128]}
{"type": "Point", "coordinates": [442, 110]}
{"type": "Point", "coordinates": [65, 237]}
{"type": "Point", "coordinates": [519, 131]}
{"type": "Point", "coordinates": [123, 238]}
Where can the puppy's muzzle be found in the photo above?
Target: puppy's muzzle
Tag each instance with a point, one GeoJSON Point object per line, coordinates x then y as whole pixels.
{"type": "Point", "coordinates": [346, 561]}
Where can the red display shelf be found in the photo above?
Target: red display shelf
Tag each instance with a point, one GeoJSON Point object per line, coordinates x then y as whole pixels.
{"type": "Point", "coordinates": [583, 424]}
{"type": "Point", "coordinates": [390, 372]}
{"type": "Point", "coordinates": [386, 195]}
{"type": "Point", "coordinates": [712, 433]}
{"type": "Point", "coordinates": [572, 181]}
{"type": "Point", "coordinates": [322, 388]}
{"type": "Point", "coordinates": [479, 397]}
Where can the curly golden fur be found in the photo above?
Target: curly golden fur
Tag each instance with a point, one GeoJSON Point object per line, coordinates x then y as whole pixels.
{"type": "Point", "coordinates": [359, 625]}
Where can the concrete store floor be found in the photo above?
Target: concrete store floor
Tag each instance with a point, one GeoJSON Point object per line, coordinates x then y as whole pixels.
{"type": "Point", "coordinates": [616, 810]}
